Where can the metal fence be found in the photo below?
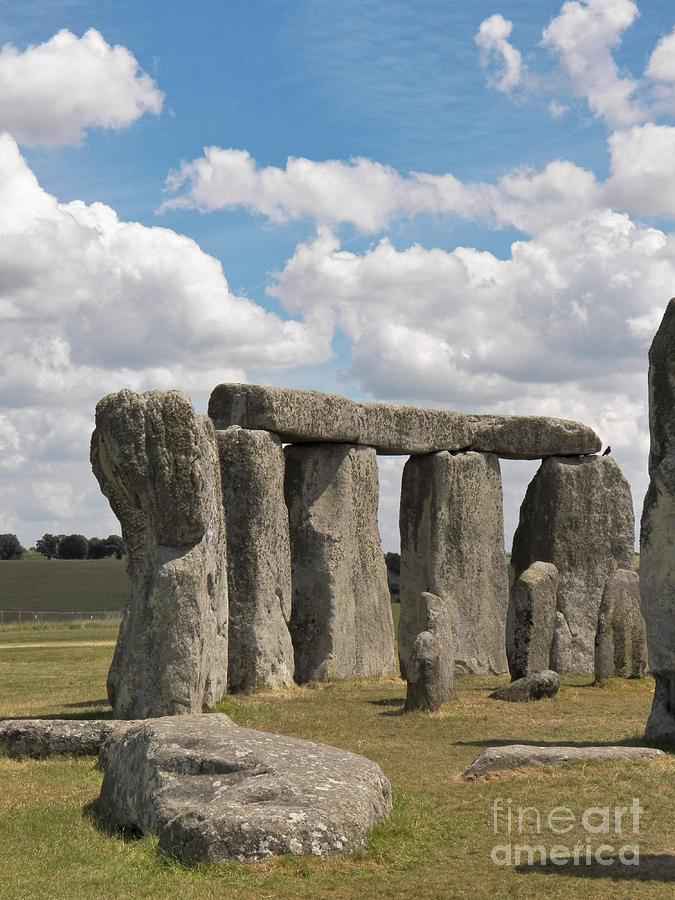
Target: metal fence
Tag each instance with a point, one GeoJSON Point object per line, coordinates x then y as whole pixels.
{"type": "Point", "coordinates": [31, 617]}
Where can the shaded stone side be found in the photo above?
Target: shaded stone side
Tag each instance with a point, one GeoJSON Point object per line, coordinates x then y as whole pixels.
{"type": "Point", "coordinates": [341, 621]}
{"type": "Point", "coordinates": [452, 545]}
{"type": "Point", "coordinates": [157, 463]}
{"type": "Point", "coordinates": [213, 791]}
{"type": "Point", "coordinates": [657, 539]}
{"type": "Point", "coordinates": [531, 620]}
{"type": "Point", "coordinates": [578, 515]}
{"type": "Point", "coordinates": [310, 416]}
{"type": "Point", "coordinates": [430, 672]}
{"type": "Point", "coordinates": [621, 639]}
{"type": "Point", "coordinates": [260, 652]}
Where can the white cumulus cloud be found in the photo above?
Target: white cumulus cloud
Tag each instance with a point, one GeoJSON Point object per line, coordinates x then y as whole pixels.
{"type": "Point", "coordinates": [90, 304]}
{"type": "Point", "coordinates": [51, 93]}
{"type": "Point", "coordinates": [493, 40]}
{"type": "Point", "coordinates": [584, 35]}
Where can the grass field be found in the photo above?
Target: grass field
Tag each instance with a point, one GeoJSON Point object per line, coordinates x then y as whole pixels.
{"type": "Point", "coordinates": [437, 843]}
{"type": "Point", "coordinates": [63, 585]}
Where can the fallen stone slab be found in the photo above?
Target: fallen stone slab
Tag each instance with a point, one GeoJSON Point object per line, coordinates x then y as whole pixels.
{"type": "Point", "coordinates": [214, 791]}
{"type": "Point", "coordinates": [40, 738]}
{"type": "Point", "coordinates": [310, 416]}
{"type": "Point", "coordinates": [523, 756]}
{"type": "Point", "coordinates": [538, 686]}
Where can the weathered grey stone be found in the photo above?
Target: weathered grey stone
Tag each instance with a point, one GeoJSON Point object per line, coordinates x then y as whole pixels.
{"type": "Point", "coordinates": [40, 738]}
{"type": "Point", "coordinates": [578, 515]}
{"type": "Point", "coordinates": [537, 686]}
{"type": "Point", "coordinates": [523, 756]}
{"type": "Point", "coordinates": [621, 640]}
{"type": "Point", "coordinates": [260, 652]}
{"type": "Point", "coordinates": [531, 620]}
{"type": "Point", "coordinates": [214, 791]}
{"type": "Point", "coordinates": [309, 416]}
{"type": "Point", "coordinates": [157, 463]}
{"type": "Point", "coordinates": [341, 621]}
{"type": "Point", "coordinates": [430, 672]}
{"type": "Point", "coordinates": [657, 540]}
{"type": "Point", "coordinates": [452, 545]}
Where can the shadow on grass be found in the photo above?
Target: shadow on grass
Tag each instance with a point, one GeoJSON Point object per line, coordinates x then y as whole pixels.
{"type": "Point", "coordinates": [93, 814]}
{"type": "Point", "coordinates": [652, 867]}
{"type": "Point", "coordinates": [388, 701]}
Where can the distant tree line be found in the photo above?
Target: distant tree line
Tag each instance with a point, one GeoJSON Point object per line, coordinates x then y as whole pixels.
{"type": "Point", "coordinates": [65, 546]}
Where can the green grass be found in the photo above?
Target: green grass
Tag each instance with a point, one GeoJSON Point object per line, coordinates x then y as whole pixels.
{"type": "Point", "coordinates": [63, 585]}
{"type": "Point", "coordinates": [438, 840]}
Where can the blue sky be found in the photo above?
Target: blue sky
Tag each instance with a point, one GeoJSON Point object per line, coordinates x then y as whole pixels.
{"type": "Point", "coordinates": [547, 306]}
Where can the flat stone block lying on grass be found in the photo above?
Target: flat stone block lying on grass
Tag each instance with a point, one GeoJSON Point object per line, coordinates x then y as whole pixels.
{"type": "Point", "coordinates": [523, 756]}
{"type": "Point", "coordinates": [310, 416]}
{"type": "Point", "coordinates": [52, 737]}
{"type": "Point", "coordinates": [532, 687]}
{"type": "Point", "coordinates": [214, 791]}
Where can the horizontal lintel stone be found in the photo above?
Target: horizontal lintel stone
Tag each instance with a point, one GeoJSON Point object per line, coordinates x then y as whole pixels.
{"type": "Point", "coordinates": [310, 416]}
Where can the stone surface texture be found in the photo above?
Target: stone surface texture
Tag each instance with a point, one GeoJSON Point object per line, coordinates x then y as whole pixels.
{"type": "Point", "coordinates": [430, 672]}
{"type": "Point", "coordinates": [531, 620]}
{"type": "Point", "coordinates": [39, 738]}
{"type": "Point", "coordinates": [523, 756]}
{"type": "Point", "coordinates": [214, 791]}
{"type": "Point", "coordinates": [537, 686]}
{"type": "Point", "coordinates": [452, 545]}
{"type": "Point", "coordinates": [260, 652]}
{"type": "Point", "coordinates": [341, 620]}
{"type": "Point", "coordinates": [157, 463]}
{"type": "Point", "coordinates": [621, 639]}
{"type": "Point", "coordinates": [309, 416]}
{"type": "Point", "coordinates": [657, 539]}
{"type": "Point", "coordinates": [578, 515]}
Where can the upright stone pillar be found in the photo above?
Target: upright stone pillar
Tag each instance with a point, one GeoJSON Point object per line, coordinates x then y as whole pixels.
{"type": "Point", "coordinates": [657, 541]}
{"type": "Point", "coordinates": [578, 515]}
{"type": "Point", "coordinates": [621, 641]}
{"type": "Point", "coordinates": [452, 545]}
{"type": "Point", "coordinates": [531, 620]}
{"type": "Point", "coordinates": [157, 463]}
{"type": "Point", "coordinates": [341, 621]}
{"type": "Point", "coordinates": [258, 559]}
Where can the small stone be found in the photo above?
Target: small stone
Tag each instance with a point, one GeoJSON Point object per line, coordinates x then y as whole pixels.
{"type": "Point", "coordinates": [278, 794]}
{"type": "Point", "coordinates": [431, 668]}
{"type": "Point", "coordinates": [537, 686]}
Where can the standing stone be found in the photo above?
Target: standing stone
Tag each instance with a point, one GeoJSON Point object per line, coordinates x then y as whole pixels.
{"type": "Point", "coordinates": [657, 541]}
{"type": "Point", "coordinates": [431, 668]}
{"type": "Point", "coordinates": [157, 463]}
{"type": "Point", "coordinates": [260, 652]}
{"type": "Point", "coordinates": [578, 515]}
{"type": "Point", "coordinates": [531, 620]}
{"type": "Point", "coordinates": [341, 621]}
{"type": "Point", "coordinates": [621, 639]}
{"type": "Point", "coordinates": [452, 545]}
